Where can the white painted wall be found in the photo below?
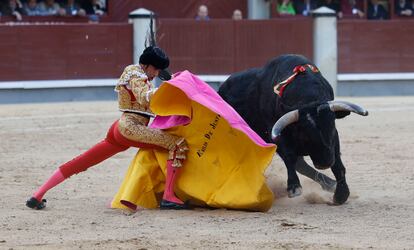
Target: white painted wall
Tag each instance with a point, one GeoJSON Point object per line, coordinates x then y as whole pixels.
{"type": "Point", "coordinates": [325, 45]}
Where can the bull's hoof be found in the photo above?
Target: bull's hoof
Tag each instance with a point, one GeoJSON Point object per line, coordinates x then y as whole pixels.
{"type": "Point", "coordinates": [326, 183]}
{"type": "Point", "coordinates": [294, 190]}
{"type": "Point", "coordinates": [341, 194]}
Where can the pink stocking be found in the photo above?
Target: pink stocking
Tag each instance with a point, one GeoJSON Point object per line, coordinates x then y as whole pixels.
{"type": "Point", "coordinates": [56, 178]}
{"type": "Point", "coordinates": [172, 174]}
{"type": "Point", "coordinates": [98, 153]}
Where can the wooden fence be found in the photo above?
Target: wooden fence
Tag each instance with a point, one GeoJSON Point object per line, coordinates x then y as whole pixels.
{"type": "Point", "coordinates": [86, 51]}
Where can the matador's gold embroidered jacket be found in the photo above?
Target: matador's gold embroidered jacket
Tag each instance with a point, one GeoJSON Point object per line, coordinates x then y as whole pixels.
{"type": "Point", "coordinates": [134, 91]}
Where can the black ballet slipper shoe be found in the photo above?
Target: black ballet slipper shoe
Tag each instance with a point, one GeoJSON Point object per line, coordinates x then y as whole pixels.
{"type": "Point", "coordinates": [164, 205]}
{"type": "Point", "coordinates": [35, 204]}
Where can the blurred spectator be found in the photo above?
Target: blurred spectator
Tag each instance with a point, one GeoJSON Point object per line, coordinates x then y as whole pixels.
{"type": "Point", "coordinates": [333, 5]}
{"type": "Point", "coordinates": [202, 14]}
{"type": "Point", "coordinates": [50, 8]}
{"type": "Point", "coordinates": [73, 9]}
{"type": "Point", "coordinates": [93, 18]}
{"type": "Point", "coordinates": [237, 15]}
{"type": "Point", "coordinates": [353, 8]}
{"type": "Point", "coordinates": [376, 11]}
{"type": "Point", "coordinates": [32, 8]}
{"type": "Point", "coordinates": [403, 8]}
{"type": "Point", "coordinates": [93, 7]}
{"type": "Point", "coordinates": [13, 8]}
{"type": "Point", "coordinates": [285, 8]}
{"type": "Point", "coordinates": [304, 7]}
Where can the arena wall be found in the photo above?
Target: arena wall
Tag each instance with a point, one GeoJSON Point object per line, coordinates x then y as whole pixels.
{"type": "Point", "coordinates": [226, 46]}
{"type": "Point", "coordinates": [376, 46]}
{"type": "Point", "coordinates": [64, 51]}
{"type": "Point", "coordinates": [94, 51]}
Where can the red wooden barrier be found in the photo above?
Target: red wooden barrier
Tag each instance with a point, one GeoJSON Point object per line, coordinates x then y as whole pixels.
{"type": "Point", "coordinates": [81, 51]}
{"type": "Point", "coordinates": [64, 51]}
{"type": "Point", "coordinates": [375, 46]}
{"type": "Point", "coordinates": [226, 46]}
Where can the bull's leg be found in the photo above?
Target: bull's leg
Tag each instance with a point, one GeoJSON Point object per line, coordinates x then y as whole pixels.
{"type": "Point", "coordinates": [294, 188]}
{"type": "Point", "coordinates": [303, 168]}
{"type": "Point", "coordinates": [293, 184]}
{"type": "Point", "coordinates": [342, 191]}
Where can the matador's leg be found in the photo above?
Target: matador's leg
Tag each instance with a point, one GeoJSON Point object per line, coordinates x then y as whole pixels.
{"type": "Point", "coordinates": [131, 127]}
{"type": "Point", "coordinates": [98, 153]}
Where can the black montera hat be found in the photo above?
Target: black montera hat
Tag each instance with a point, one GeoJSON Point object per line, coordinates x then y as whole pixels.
{"type": "Point", "coordinates": [156, 57]}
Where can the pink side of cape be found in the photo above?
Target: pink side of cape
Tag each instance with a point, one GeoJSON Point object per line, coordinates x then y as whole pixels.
{"type": "Point", "coordinates": [202, 93]}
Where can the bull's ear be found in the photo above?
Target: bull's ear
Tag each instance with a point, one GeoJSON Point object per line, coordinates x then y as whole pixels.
{"type": "Point", "coordinates": [341, 114]}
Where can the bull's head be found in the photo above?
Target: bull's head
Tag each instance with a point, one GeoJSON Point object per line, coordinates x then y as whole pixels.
{"type": "Point", "coordinates": [317, 127]}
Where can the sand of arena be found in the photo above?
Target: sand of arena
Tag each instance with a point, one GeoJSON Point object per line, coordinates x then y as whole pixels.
{"type": "Point", "coordinates": [377, 150]}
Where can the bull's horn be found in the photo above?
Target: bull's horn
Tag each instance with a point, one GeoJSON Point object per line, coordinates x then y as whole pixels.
{"type": "Point", "coordinates": [347, 106]}
{"type": "Point", "coordinates": [285, 120]}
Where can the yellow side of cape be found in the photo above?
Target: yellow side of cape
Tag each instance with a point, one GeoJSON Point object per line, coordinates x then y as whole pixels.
{"type": "Point", "coordinates": [224, 168]}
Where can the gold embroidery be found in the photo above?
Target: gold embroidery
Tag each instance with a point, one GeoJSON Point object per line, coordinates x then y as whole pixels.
{"type": "Point", "coordinates": [140, 89]}
{"type": "Point", "coordinates": [129, 71]}
{"type": "Point", "coordinates": [178, 155]}
{"type": "Point", "coordinates": [134, 79]}
{"type": "Point", "coordinates": [134, 127]}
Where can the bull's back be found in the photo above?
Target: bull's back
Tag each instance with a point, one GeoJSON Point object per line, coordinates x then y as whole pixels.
{"type": "Point", "coordinates": [242, 91]}
{"type": "Point", "coordinates": [235, 89]}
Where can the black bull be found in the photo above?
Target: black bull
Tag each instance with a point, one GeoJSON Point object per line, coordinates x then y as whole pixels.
{"type": "Point", "coordinates": [301, 121]}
